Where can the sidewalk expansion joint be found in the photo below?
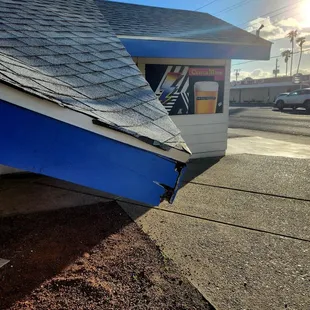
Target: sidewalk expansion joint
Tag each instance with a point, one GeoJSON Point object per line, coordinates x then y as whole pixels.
{"type": "Point", "coordinates": [118, 199]}
{"type": "Point", "coordinates": [248, 191]}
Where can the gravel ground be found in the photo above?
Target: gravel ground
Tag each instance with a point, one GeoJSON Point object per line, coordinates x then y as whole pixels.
{"type": "Point", "coordinates": [87, 258]}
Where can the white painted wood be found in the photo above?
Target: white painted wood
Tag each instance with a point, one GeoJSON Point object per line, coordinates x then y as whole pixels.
{"type": "Point", "coordinates": [8, 170]}
{"type": "Point", "coordinates": [208, 147]}
{"type": "Point", "coordinates": [206, 135]}
{"type": "Point", "coordinates": [205, 138]}
{"type": "Point", "coordinates": [198, 119]}
{"type": "Point", "coordinates": [208, 154]}
{"type": "Point", "coordinates": [80, 120]}
{"type": "Point", "coordinates": [142, 68]}
{"type": "Point", "coordinates": [202, 129]}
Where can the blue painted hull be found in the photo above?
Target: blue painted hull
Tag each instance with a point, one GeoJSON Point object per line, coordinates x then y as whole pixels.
{"type": "Point", "coordinates": [37, 143]}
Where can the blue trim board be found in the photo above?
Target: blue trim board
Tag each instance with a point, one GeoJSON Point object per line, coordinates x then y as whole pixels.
{"type": "Point", "coordinates": [177, 49]}
{"type": "Point", "coordinates": [39, 144]}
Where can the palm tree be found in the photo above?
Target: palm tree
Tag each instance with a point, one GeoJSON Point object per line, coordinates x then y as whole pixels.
{"type": "Point", "coordinates": [286, 54]}
{"type": "Point", "coordinates": [300, 41]}
{"type": "Point", "coordinates": [292, 35]}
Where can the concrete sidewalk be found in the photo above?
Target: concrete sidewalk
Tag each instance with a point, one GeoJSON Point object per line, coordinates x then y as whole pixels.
{"type": "Point", "coordinates": [243, 141]}
{"type": "Point", "coordinates": [239, 229]}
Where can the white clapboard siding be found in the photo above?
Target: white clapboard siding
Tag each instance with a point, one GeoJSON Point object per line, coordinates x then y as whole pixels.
{"type": "Point", "coordinates": [206, 135]}
{"type": "Point", "coordinates": [8, 170]}
{"type": "Point", "coordinates": [205, 138]}
{"type": "Point", "coordinates": [208, 154]}
{"type": "Point", "coordinates": [202, 129]}
{"type": "Point", "coordinates": [211, 147]}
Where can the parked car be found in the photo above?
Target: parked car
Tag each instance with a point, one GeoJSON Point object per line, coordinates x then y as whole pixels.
{"type": "Point", "coordinates": [297, 99]}
{"type": "Point", "coordinates": [280, 95]}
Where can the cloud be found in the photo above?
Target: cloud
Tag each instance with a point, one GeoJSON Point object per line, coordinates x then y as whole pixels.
{"type": "Point", "coordinates": [269, 32]}
{"type": "Point", "coordinates": [255, 74]}
{"type": "Point", "coordinates": [307, 44]}
{"type": "Point", "coordinates": [259, 73]}
{"type": "Point", "coordinates": [304, 71]}
{"type": "Point", "coordinates": [289, 22]}
{"type": "Point", "coordinates": [307, 47]}
{"type": "Point", "coordinates": [276, 29]}
{"type": "Point", "coordinates": [305, 32]}
{"type": "Point", "coordinates": [282, 49]}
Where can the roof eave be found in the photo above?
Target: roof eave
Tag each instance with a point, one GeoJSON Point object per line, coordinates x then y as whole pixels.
{"type": "Point", "coordinates": [41, 105]}
{"type": "Point", "coordinates": [154, 47]}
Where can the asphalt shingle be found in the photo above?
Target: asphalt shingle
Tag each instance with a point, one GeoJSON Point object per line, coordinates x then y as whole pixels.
{"type": "Point", "coordinates": [66, 52]}
{"type": "Point", "coordinates": [96, 77]}
{"type": "Point", "coordinates": [126, 101]}
{"type": "Point", "coordinates": [147, 21]}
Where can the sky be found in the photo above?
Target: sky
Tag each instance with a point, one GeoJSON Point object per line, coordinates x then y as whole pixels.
{"type": "Point", "coordinates": [278, 16]}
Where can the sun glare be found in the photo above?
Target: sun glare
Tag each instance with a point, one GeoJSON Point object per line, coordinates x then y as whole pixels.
{"type": "Point", "coordinates": [305, 14]}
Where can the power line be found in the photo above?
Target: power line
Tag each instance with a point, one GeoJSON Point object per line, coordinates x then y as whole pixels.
{"type": "Point", "coordinates": [207, 4]}
{"type": "Point", "coordinates": [233, 7]}
{"type": "Point", "coordinates": [245, 62]}
{"type": "Point", "coordinates": [272, 16]}
{"type": "Point", "coordinates": [274, 11]}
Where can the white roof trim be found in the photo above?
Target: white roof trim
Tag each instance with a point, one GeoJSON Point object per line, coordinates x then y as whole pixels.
{"type": "Point", "coordinates": [80, 120]}
{"type": "Point", "coordinates": [186, 40]}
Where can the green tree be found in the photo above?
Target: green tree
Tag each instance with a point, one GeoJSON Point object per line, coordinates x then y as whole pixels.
{"type": "Point", "coordinates": [300, 41]}
{"type": "Point", "coordinates": [286, 54]}
{"type": "Point", "coordinates": [292, 35]}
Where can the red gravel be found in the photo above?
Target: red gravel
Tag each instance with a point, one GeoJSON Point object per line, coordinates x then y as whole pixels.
{"type": "Point", "coordinates": [91, 257]}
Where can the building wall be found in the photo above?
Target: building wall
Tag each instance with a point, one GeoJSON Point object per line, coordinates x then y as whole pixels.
{"type": "Point", "coordinates": [262, 94]}
{"type": "Point", "coordinates": [205, 134]}
{"type": "Point", "coordinates": [7, 170]}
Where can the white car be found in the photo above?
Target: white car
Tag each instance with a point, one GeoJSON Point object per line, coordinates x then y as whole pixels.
{"type": "Point", "coordinates": [297, 99]}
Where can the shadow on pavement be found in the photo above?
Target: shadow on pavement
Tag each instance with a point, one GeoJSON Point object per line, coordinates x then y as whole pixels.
{"type": "Point", "coordinates": [292, 112]}
{"type": "Point", "coordinates": [198, 166]}
{"type": "Point", "coordinates": [40, 245]}
{"type": "Point", "coordinates": [296, 112]}
{"type": "Point", "coordinates": [237, 111]}
{"type": "Point", "coordinates": [80, 254]}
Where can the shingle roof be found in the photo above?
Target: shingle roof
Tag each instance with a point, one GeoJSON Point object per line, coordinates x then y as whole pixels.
{"type": "Point", "coordinates": [66, 52]}
{"type": "Point", "coordinates": [147, 21]}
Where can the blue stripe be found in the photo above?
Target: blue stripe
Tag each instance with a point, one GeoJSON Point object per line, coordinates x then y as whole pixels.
{"type": "Point", "coordinates": [40, 144]}
{"type": "Point", "coordinates": [169, 49]}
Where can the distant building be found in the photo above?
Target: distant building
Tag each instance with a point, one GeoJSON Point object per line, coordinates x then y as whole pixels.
{"type": "Point", "coordinates": [264, 90]}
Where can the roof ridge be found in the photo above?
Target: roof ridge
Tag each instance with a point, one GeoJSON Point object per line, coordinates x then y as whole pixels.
{"type": "Point", "coordinates": [170, 23]}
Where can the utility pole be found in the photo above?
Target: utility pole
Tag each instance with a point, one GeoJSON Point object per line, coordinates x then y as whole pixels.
{"type": "Point", "coordinates": [237, 72]}
{"type": "Point", "coordinates": [276, 71]}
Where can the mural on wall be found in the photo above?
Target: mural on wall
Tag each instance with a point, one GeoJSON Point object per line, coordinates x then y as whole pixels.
{"type": "Point", "coordinates": [188, 89]}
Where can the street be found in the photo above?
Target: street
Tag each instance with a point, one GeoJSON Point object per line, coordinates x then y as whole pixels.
{"type": "Point", "coordinates": [265, 119]}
